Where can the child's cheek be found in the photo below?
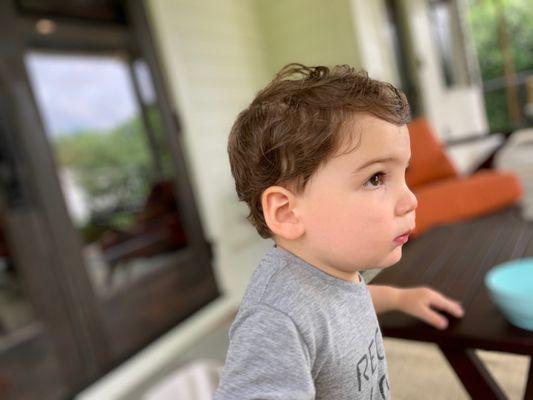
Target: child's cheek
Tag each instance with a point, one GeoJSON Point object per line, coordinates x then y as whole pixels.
{"type": "Point", "coordinates": [380, 230]}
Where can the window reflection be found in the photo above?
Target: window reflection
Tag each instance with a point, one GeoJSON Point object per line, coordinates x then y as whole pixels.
{"type": "Point", "coordinates": [446, 35]}
{"type": "Point", "coordinates": [114, 167]}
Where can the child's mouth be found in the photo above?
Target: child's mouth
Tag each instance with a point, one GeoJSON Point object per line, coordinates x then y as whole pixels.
{"type": "Point", "coordinates": [402, 239]}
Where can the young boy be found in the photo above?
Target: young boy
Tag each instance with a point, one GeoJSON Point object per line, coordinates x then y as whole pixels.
{"type": "Point", "coordinates": [320, 157]}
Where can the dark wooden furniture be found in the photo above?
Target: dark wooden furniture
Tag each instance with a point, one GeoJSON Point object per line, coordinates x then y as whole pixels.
{"type": "Point", "coordinates": [454, 259]}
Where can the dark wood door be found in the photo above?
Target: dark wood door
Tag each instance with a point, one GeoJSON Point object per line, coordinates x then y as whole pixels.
{"type": "Point", "coordinates": [113, 215]}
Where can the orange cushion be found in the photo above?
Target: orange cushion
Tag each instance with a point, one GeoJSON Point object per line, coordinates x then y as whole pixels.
{"type": "Point", "coordinates": [459, 199]}
{"type": "Point", "coordinates": [428, 160]}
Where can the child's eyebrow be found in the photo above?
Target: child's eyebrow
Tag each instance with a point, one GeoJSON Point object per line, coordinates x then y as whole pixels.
{"type": "Point", "coordinates": [379, 160]}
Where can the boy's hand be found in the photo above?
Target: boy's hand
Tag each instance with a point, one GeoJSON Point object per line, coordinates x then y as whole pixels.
{"type": "Point", "coordinates": [421, 303]}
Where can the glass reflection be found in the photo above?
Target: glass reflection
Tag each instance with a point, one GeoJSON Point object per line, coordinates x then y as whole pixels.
{"type": "Point", "coordinates": [114, 167]}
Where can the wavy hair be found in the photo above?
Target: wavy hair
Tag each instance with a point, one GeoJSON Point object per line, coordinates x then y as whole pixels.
{"type": "Point", "coordinates": [296, 123]}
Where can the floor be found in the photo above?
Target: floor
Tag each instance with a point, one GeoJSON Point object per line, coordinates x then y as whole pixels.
{"type": "Point", "coordinates": [417, 369]}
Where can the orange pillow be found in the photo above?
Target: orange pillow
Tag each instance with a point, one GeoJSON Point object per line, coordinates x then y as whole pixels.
{"type": "Point", "coordinates": [428, 160]}
{"type": "Point", "coordinates": [454, 200]}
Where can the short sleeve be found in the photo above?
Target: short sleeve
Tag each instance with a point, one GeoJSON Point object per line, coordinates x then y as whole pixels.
{"type": "Point", "coordinates": [267, 359]}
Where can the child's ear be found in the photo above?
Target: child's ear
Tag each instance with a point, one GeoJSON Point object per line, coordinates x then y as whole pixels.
{"type": "Point", "coordinates": [279, 211]}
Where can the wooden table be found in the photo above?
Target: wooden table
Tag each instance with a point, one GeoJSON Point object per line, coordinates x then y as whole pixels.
{"type": "Point", "coordinates": [454, 259]}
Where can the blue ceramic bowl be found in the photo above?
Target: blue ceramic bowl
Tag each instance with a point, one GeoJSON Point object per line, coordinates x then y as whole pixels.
{"type": "Point", "coordinates": [511, 287]}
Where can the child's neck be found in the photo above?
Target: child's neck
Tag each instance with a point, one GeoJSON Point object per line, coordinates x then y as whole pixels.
{"type": "Point", "coordinates": [346, 276]}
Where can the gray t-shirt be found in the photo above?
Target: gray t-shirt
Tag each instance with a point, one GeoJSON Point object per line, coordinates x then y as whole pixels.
{"type": "Point", "coordinates": [303, 334]}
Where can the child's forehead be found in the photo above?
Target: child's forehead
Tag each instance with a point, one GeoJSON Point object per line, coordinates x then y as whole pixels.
{"type": "Point", "coordinates": [373, 138]}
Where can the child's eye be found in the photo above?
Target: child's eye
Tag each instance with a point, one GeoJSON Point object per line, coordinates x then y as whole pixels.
{"type": "Point", "coordinates": [375, 180]}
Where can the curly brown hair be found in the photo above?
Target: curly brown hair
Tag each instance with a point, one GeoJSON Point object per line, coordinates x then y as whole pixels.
{"type": "Point", "coordinates": [296, 123]}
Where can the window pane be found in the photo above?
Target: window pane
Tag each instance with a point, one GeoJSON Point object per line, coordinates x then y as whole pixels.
{"type": "Point", "coordinates": [447, 41]}
{"type": "Point", "coordinates": [110, 163]}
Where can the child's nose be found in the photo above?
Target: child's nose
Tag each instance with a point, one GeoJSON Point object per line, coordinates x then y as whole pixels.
{"type": "Point", "coordinates": [407, 203]}
{"type": "Point", "coordinates": [413, 199]}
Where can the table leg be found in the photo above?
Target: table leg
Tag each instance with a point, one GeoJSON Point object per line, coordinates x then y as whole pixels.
{"type": "Point", "coordinates": [470, 370]}
{"type": "Point", "coordinates": [529, 383]}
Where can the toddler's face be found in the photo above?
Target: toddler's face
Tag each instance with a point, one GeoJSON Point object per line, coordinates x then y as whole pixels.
{"type": "Point", "coordinates": [353, 209]}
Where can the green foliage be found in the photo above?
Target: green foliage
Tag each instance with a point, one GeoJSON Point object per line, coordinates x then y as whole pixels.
{"type": "Point", "coordinates": [484, 22]}
{"type": "Point", "coordinates": [496, 106]}
{"type": "Point", "coordinates": [114, 168]}
{"type": "Point", "coordinates": [483, 19]}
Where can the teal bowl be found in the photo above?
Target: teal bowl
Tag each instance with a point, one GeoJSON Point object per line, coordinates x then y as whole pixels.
{"type": "Point", "coordinates": [511, 287]}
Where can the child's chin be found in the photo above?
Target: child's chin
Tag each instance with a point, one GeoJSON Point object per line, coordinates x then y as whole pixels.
{"type": "Point", "coordinates": [395, 257]}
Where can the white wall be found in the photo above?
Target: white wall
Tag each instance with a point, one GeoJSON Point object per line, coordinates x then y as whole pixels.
{"type": "Point", "coordinates": [214, 60]}
{"type": "Point", "coordinates": [376, 54]}
{"type": "Point", "coordinates": [311, 32]}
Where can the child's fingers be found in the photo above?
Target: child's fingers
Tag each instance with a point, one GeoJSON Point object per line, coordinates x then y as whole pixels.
{"type": "Point", "coordinates": [434, 318]}
{"type": "Point", "coordinates": [452, 307]}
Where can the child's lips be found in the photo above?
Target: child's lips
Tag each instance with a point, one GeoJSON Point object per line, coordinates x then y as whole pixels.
{"type": "Point", "coordinates": [402, 239]}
